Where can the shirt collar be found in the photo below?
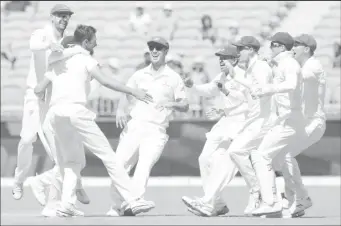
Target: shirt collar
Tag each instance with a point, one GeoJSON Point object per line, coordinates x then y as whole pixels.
{"type": "Point", "coordinates": [153, 73]}
{"type": "Point", "coordinates": [282, 55]}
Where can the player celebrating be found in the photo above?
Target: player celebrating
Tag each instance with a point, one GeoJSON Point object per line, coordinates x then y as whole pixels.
{"type": "Point", "coordinates": [71, 118]}
{"type": "Point", "coordinates": [216, 167]}
{"type": "Point", "coordinates": [286, 92]}
{"type": "Point", "coordinates": [315, 121]}
{"type": "Point", "coordinates": [42, 43]}
{"type": "Point", "coordinates": [145, 134]}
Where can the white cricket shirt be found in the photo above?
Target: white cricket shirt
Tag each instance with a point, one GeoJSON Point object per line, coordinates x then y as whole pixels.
{"type": "Point", "coordinates": [164, 86]}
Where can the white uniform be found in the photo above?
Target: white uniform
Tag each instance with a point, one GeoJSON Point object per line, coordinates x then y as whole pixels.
{"type": "Point", "coordinates": [143, 139]}
{"type": "Point", "coordinates": [70, 117]}
{"type": "Point", "coordinates": [216, 167]}
{"type": "Point", "coordinates": [287, 94]}
{"type": "Point", "coordinates": [257, 123]}
{"type": "Point", "coordinates": [315, 124]}
{"type": "Point", "coordinates": [34, 111]}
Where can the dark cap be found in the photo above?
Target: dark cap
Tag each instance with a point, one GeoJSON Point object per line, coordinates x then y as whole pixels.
{"type": "Point", "coordinates": [158, 40]}
{"type": "Point", "coordinates": [307, 40]}
{"type": "Point", "coordinates": [283, 38]}
{"type": "Point", "coordinates": [228, 50]}
{"type": "Point", "coordinates": [67, 40]}
{"type": "Point", "coordinates": [248, 41]}
{"type": "Point", "coordinates": [61, 8]}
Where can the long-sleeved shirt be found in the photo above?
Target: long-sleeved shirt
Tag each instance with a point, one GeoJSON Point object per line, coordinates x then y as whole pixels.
{"type": "Point", "coordinates": [314, 81]}
{"type": "Point", "coordinates": [39, 45]}
{"type": "Point", "coordinates": [234, 101]}
{"type": "Point", "coordinates": [287, 85]}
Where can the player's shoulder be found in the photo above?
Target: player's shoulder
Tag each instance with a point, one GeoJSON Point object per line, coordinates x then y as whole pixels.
{"type": "Point", "coordinates": [313, 64]}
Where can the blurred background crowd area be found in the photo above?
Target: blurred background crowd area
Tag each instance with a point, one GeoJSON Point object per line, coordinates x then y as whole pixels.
{"type": "Point", "coordinates": [195, 30]}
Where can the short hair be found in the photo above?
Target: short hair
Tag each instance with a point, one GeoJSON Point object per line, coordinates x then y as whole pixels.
{"type": "Point", "coordinates": [84, 32]}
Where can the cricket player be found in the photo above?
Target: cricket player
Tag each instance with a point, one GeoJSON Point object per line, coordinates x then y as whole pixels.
{"type": "Point", "coordinates": [314, 88]}
{"type": "Point", "coordinates": [42, 43]}
{"type": "Point", "coordinates": [216, 166]}
{"type": "Point", "coordinates": [144, 137]}
{"type": "Point", "coordinates": [286, 91]}
{"type": "Point", "coordinates": [258, 119]}
{"type": "Point", "coordinates": [70, 79]}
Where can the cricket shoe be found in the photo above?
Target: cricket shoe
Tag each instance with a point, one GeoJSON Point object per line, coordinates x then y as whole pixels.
{"type": "Point", "coordinates": [69, 211]}
{"type": "Point", "coordinates": [50, 209]}
{"type": "Point", "coordinates": [140, 206]}
{"type": "Point", "coordinates": [82, 196]}
{"type": "Point", "coordinates": [254, 203]}
{"type": "Point", "coordinates": [115, 212]}
{"type": "Point", "coordinates": [198, 206]}
{"type": "Point", "coordinates": [220, 212]}
{"type": "Point", "coordinates": [301, 206]}
{"type": "Point", "coordinates": [268, 210]}
{"type": "Point", "coordinates": [18, 191]}
{"type": "Point", "coordinates": [38, 190]}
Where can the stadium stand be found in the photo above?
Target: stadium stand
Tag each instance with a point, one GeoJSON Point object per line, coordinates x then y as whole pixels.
{"type": "Point", "coordinates": [114, 40]}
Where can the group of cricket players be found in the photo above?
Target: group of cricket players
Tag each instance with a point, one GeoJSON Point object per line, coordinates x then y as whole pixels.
{"type": "Point", "coordinates": [269, 110]}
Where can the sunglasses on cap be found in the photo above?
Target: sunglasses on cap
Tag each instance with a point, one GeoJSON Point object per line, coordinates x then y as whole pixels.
{"type": "Point", "coordinates": [299, 44]}
{"type": "Point", "coordinates": [155, 46]}
{"type": "Point", "coordinates": [240, 48]}
{"type": "Point", "coordinates": [275, 44]}
{"type": "Point", "coordinates": [226, 57]}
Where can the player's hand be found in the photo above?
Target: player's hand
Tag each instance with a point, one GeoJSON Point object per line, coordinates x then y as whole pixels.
{"type": "Point", "coordinates": [213, 113]}
{"type": "Point", "coordinates": [188, 82]}
{"type": "Point", "coordinates": [142, 96]}
{"type": "Point", "coordinates": [227, 68]}
{"type": "Point", "coordinates": [121, 119]}
{"type": "Point", "coordinates": [56, 47]}
{"type": "Point", "coordinates": [257, 92]}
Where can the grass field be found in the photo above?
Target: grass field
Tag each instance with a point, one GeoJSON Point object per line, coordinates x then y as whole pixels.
{"type": "Point", "coordinates": [169, 208]}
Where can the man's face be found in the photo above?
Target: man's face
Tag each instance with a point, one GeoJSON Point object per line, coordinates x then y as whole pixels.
{"type": "Point", "coordinates": [90, 44]}
{"type": "Point", "coordinates": [245, 53]}
{"type": "Point", "coordinates": [276, 48]}
{"type": "Point", "coordinates": [300, 50]}
{"type": "Point", "coordinates": [225, 60]}
{"type": "Point", "coordinates": [60, 20]}
{"type": "Point", "coordinates": [158, 53]}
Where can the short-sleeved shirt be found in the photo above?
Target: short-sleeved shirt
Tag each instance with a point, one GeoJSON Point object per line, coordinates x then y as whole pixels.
{"type": "Point", "coordinates": [313, 78]}
{"type": "Point", "coordinates": [72, 81]}
{"type": "Point", "coordinates": [164, 86]}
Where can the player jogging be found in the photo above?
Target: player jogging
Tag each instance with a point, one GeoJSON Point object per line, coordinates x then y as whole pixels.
{"type": "Point", "coordinates": [144, 137]}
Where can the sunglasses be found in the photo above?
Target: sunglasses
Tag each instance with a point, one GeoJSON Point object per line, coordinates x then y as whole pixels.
{"type": "Point", "coordinates": [226, 58]}
{"type": "Point", "coordinates": [157, 47]}
{"type": "Point", "coordinates": [299, 44]}
{"type": "Point", "coordinates": [240, 48]}
{"type": "Point", "coordinates": [275, 45]}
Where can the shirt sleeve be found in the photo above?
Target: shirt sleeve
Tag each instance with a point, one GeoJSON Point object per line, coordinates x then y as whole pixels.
{"type": "Point", "coordinates": [179, 91]}
{"type": "Point", "coordinates": [91, 63]}
{"type": "Point", "coordinates": [132, 81]}
{"type": "Point", "coordinates": [39, 40]}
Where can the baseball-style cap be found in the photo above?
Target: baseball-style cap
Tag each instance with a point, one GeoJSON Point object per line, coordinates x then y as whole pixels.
{"type": "Point", "coordinates": [248, 41]}
{"type": "Point", "coordinates": [307, 40]}
{"type": "Point", "coordinates": [61, 8]}
{"type": "Point", "coordinates": [230, 51]}
{"type": "Point", "coordinates": [67, 40]}
{"type": "Point", "coordinates": [158, 40]}
{"type": "Point", "coordinates": [283, 38]}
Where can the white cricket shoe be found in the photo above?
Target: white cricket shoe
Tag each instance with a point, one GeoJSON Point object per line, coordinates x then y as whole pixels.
{"type": "Point", "coordinates": [82, 196]}
{"type": "Point", "coordinates": [114, 212]}
{"type": "Point", "coordinates": [49, 212]}
{"type": "Point", "coordinates": [18, 191]}
{"type": "Point", "coordinates": [254, 203]}
{"type": "Point", "coordinates": [206, 209]}
{"type": "Point", "coordinates": [140, 206]}
{"type": "Point", "coordinates": [38, 190]}
{"type": "Point", "coordinates": [301, 206]}
{"type": "Point", "coordinates": [266, 209]}
{"type": "Point", "coordinates": [69, 211]}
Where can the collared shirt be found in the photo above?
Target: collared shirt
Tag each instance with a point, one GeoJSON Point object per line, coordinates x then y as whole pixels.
{"type": "Point", "coordinates": [39, 43]}
{"type": "Point", "coordinates": [314, 77]}
{"type": "Point", "coordinates": [164, 86]}
{"type": "Point", "coordinates": [287, 84]}
{"type": "Point", "coordinates": [72, 78]}
{"type": "Point", "coordinates": [258, 73]}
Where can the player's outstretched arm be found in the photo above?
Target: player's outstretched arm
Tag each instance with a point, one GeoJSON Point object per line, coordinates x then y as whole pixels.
{"type": "Point", "coordinates": [113, 84]}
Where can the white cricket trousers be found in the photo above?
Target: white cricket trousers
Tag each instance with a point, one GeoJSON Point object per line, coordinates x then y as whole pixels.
{"type": "Point", "coordinates": [33, 114]}
{"type": "Point", "coordinates": [314, 130]}
{"type": "Point", "coordinates": [276, 143]}
{"type": "Point", "coordinates": [216, 166]}
{"type": "Point", "coordinates": [141, 144]}
{"type": "Point", "coordinates": [77, 119]}
{"type": "Point", "coordinates": [242, 147]}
